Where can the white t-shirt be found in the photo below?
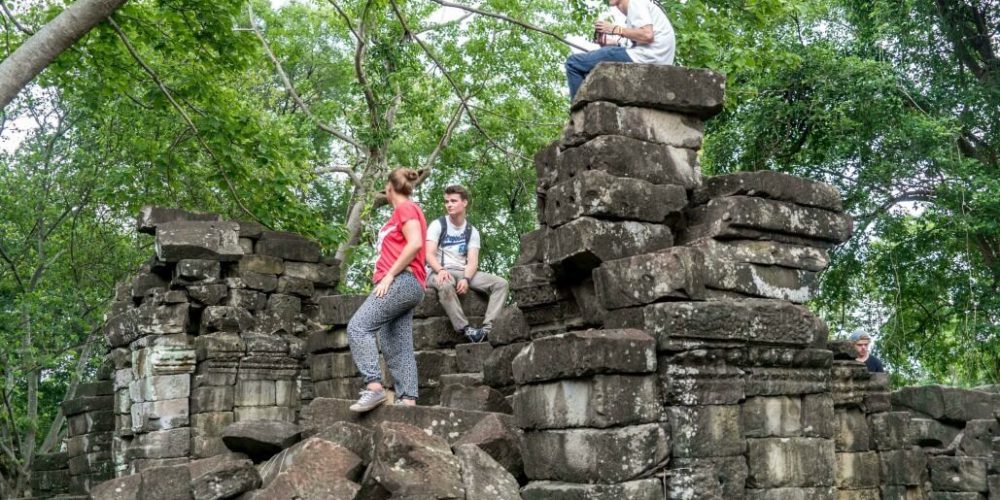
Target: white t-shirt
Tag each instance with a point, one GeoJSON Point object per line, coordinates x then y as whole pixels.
{"type": "Point", "coordinates": [661, 51]}
{"type": "Point", "coordinates": [452, 253]}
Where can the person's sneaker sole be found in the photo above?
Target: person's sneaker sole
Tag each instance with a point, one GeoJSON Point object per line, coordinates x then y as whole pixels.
{"type": "Point", "coordinates": [369, 407]}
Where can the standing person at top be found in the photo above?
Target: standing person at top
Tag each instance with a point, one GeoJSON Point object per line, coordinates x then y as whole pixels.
{"type": "Point", "coordinates": [453, 255]}
{"type": "Point", "coordinates": [862, 343]}
{"type": "Point", "coordinates": [400, 280]}
{"type": "Point", "coordinates": [646, 37]}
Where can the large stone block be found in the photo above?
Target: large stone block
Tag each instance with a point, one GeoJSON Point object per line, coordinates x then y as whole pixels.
{"type": "Point", "coordinates": [770, 282]}
{"type": "Point", "coordinates": [260, 439]}
{"type": "Point", "coordinates": [762, 252]}
{"type": "Point", "coordinates": [605, 118]}
{"type": "Point", "coordinates": [321, 341]}
{"type": "Point", "coordinates": [476, 398]}
{"type": "Point", "coordinates": [706, 431]}
{"type": "Point", "coordinates": [533, 246]}
{"type": "Point", "coordinates": [433, 472]}
{"type": "Point", "coordinates": [697, 92]}
{"type": "Point", "coordinates": [498, 367]}
{"type": "Point", "coordinates": [598, 194]}
{"type": "Point", "coordinates": [852, 430]}
{"type": "Point", "coordinates": [779, 416]}
{"type": "Point", "coordinates": [858, 471]}
{"type": "Point", "coordinates": [598, 401]}
{"type": "Point", "coordinates": [435, 333]}
{"type": "Point", "coordinates": [160, 387]}
{"type": "Point", "coordinates": [198, 240]}
{"type": "Point", "coordinates": [226, 319]}
{"type": "Point", "coordinates": [702, 377]}
{"type": "Point", "coordinates": [897, 492]}
{"type": "Point", "coordinates": [582, 245]}
{"type": "Point", "coordinates": [595, 455]}
{"type": "Point", "coordinates": [685, 325]}
{"type": "Point", "coordinates": [673, 273]}
{"type": "Point", "coordinates": [790, 462]}
{"type": "Point", "coordinates": [889, 430]}
{"type": "Point", "coordinates": [336, 310]}
{"type": "Point", "coordinates": [590, 352]}
{"type": "Point", "coordinates": [744, 217]}
{"type": "Point", "coordinates": [930, 433]}
{"type": "Point", "coordinates": [170, 443]}
{"type": "Point", "coordinates": [792, 494]}
{"type": "Point", "coordinates": [158, 415]}
{"type": "Point", "coordinates": [288, 246]}
{"type": "Point", "coordinates": [818, 417]}
{"type": "Point", "coordinates": [320, 274]}
{"type": "Point", "coordinates": [483, 477]}
{"type": "Point", "coordinates": [903, 467]}
{"type": "Point", "coordinates": [211, 423]}
{"type": "Point", "coordinates": [977, 439]}
{"type": "Point", "coordinates": [642, 489]}
{"type": "Point", "coordinates": [197, 270]}
{"type": "Point", "coordinates": [772, 185]}
{"type": "Point", "coordinates": [80, 405]}
{"type": "Point", "coordinates": [166, 483]}
{"type": "Point", "coordinates": [151, 217]}
{"type": "Point", "coordinates": [470, 358]}
{"type": "Point", "coordinates": [223, 476]}
{"type": "Point", "coordinates": [163, 360]}
{"type": "Point", "coordinates": [729, 472]}
{"type": "Point", "coordinates": [958, 474]}
{"type": "Point", "coordinates": [624, 157]}
{"type": "Point", "coordinates": [341, 388]}
{"type": "Point", "coordinates": [91, 421]}
{"type": "Point", "coordinates": [121, 488]}
{"type": "Point", "coordinates": [208, 295]}
{"type": "Point", "coordinates": [473, 304]}
{"type": "Point", "coordinates": [776, 371]}
{"type": "Point", "coordinates": [950, 404]}
{"type": "Point", "coordinates": [212, 399]}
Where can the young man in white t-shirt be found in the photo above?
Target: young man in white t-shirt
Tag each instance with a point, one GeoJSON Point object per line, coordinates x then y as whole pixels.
{"type": "Point", "coordinates": [453, 259]}
{"type": "Point", "coordinates": [647, 37]}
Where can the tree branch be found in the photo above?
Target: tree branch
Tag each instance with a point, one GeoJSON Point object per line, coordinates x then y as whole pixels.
{"type": "Point", "coordinates": [291, 89]}
{"type": "Point", "coordinates": [339, 169]}
{"type": "Point", "coordinates": [163, 88]}
{"type": "Point", "coordinates": [359, 56]}
{"type": "Point", "coordinates": [451, 81]}
{"type": "Point", "coordinates": [502, 17]}
{"type": "Point", "coordinates": [18, 25]}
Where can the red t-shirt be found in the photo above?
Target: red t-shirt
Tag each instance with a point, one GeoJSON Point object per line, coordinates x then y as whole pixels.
{"type": "Point", "coordinates": [391, 242]}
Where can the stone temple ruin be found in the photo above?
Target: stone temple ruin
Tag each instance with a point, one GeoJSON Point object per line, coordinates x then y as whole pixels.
{"type": "Point", "coordinates": [657, 348]}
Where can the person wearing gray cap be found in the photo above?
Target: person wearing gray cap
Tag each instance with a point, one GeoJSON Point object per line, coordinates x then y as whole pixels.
{"type": "Point", "coordinates": [862, 341]}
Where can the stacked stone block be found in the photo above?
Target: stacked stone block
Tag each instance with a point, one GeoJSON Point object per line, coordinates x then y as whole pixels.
{"type": "Point", "coordinates": [50, 475]}
{"type": "Point", "coordinates": [210, 332]}
{"type": "Point", "coordinates": [90, 426]}
{"type": "Point", "coordinates": [435, 344]}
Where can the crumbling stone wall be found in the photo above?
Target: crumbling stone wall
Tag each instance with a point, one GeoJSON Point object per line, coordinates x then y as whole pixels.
{"type": "Point", "coordinates": [658, 348]}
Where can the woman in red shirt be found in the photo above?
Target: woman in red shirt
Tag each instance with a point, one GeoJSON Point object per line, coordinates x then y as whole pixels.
{"type": "Point", "coordinates": [400, 278]}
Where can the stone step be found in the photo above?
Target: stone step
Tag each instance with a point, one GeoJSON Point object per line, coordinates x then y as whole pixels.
{"type": "Point", "coordinates": [447, 423]}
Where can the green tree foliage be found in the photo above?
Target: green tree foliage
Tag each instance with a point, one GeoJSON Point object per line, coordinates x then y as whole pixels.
{"type": "Point", "coordinates": [293, 115]}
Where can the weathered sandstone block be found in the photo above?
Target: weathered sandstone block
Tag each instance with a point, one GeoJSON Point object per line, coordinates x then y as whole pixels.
{"type": "Point", "coordinates": [595, 193]}
{"type": "Point", "coordinates": [598, 401]}
{"type": "Point", "coordinates": [595, 455]}
{"type": "Point", "coordinates": [697, 92]}
{"type": "Point", "coordinates": [744, 217]}
{"type": "Point", "coordinates": [772, 185]}
{"type": "Point", "coordinates": [590, 352]}
{"type": "Point", "coordinates": [790, 462]}
{"type": "Point", "coordinates": [582, 245]}
{"type": "Point", "coordinates": [198, 240]}
{"type": "Point", "coordinates": [651, 125]}
{"type": "Point", "coordinates": [624, 157]}
{"type": "Point", "coordinates": [673, 273]}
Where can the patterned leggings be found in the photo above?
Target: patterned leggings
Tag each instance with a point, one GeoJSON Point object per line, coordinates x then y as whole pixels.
{"type": "Point", "coordinates": [391, 318]}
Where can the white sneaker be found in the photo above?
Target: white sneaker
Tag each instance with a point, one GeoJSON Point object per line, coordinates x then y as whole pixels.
{"type": "Point", "coordinates": [368, 401]}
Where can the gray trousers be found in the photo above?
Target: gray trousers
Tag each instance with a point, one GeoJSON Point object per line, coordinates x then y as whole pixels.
{"type": "Point", "coordinates": [391, 318]}
{"type": "Point", "coordinates": [487, 283]}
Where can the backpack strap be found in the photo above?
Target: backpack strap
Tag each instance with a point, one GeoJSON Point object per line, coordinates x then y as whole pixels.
{"type": "Point", "coordinates": [443, 222]}
{"type": "Point", "coordinates": [468, 235]}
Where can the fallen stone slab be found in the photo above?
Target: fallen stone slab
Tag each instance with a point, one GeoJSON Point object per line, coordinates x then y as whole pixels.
{"type": "Point", "coordinates": [673, 273]}
{"type": "Point", "coordinates": [287, 246]}
{"type": "Point", "coordinates": [409, 462]}
{"type": "Point", "coordinates": [354, 437]}
{"type": "Point", "coordinates": [260, 439]}
{"type": "Point", "coordinates": [313, 468]}
{"type": "Point", "coordinates": [222, 476]}
{"type": "Point", "coordinates": [483, 477]}
{"type": "Point", "coordinates": [166, 483]}
{"type": "Point", "coordinates": [684, 325]}
{"type": "Point", "coordinates": [177, 241]}
{"type": "Point", "coordinates": [590, 352]}
{"type": "Point", "coordinates": [605, 118]}
{"type": "Point", "coordinates": [790, 462]}
{"type": "Point", "coordinates": [762, 252]}
{"type": "Point", "coordinates": [150, 217]}
{"type": "Point", "coordinates": [745, 217]}
{"type": "Point", "coordinates": [120, 488]}
{"type": "Point", "coordinates": [447, 423]}
{"type": "Point", "coordinates": [771, 185]}
{"type": "Point", "coordinates": [595, 455]}
{"type": "Point", "coordinates": [599, 401]}
{"type": "Point", "coordinates": [624, 157]}
{"type": "Point", "coordinates": [769, 282]}
{"type": "Point", "coordinates": [500, 440]}
{"type": "Point", "coordinates": [697, 92]}
{"type": "Point", "coordinates": [598, 194]}
{"type": "Point", "coordinates": [642, 489]}
{"type": "Point", "coordinates": [950, 404]}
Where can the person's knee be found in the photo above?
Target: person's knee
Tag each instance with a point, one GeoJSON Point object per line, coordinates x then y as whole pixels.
{"type": "Point", "coordinates": [573, 62]}
{"type": "Point", "coordinates": [502, 285]}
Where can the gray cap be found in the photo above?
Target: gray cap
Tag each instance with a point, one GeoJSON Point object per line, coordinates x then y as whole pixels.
{"type": "Point", "coordinates": [858, 335]}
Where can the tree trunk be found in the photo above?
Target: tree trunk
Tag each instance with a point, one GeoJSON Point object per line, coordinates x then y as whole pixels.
{"type": "Point", "coordinates": [18, 69]}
